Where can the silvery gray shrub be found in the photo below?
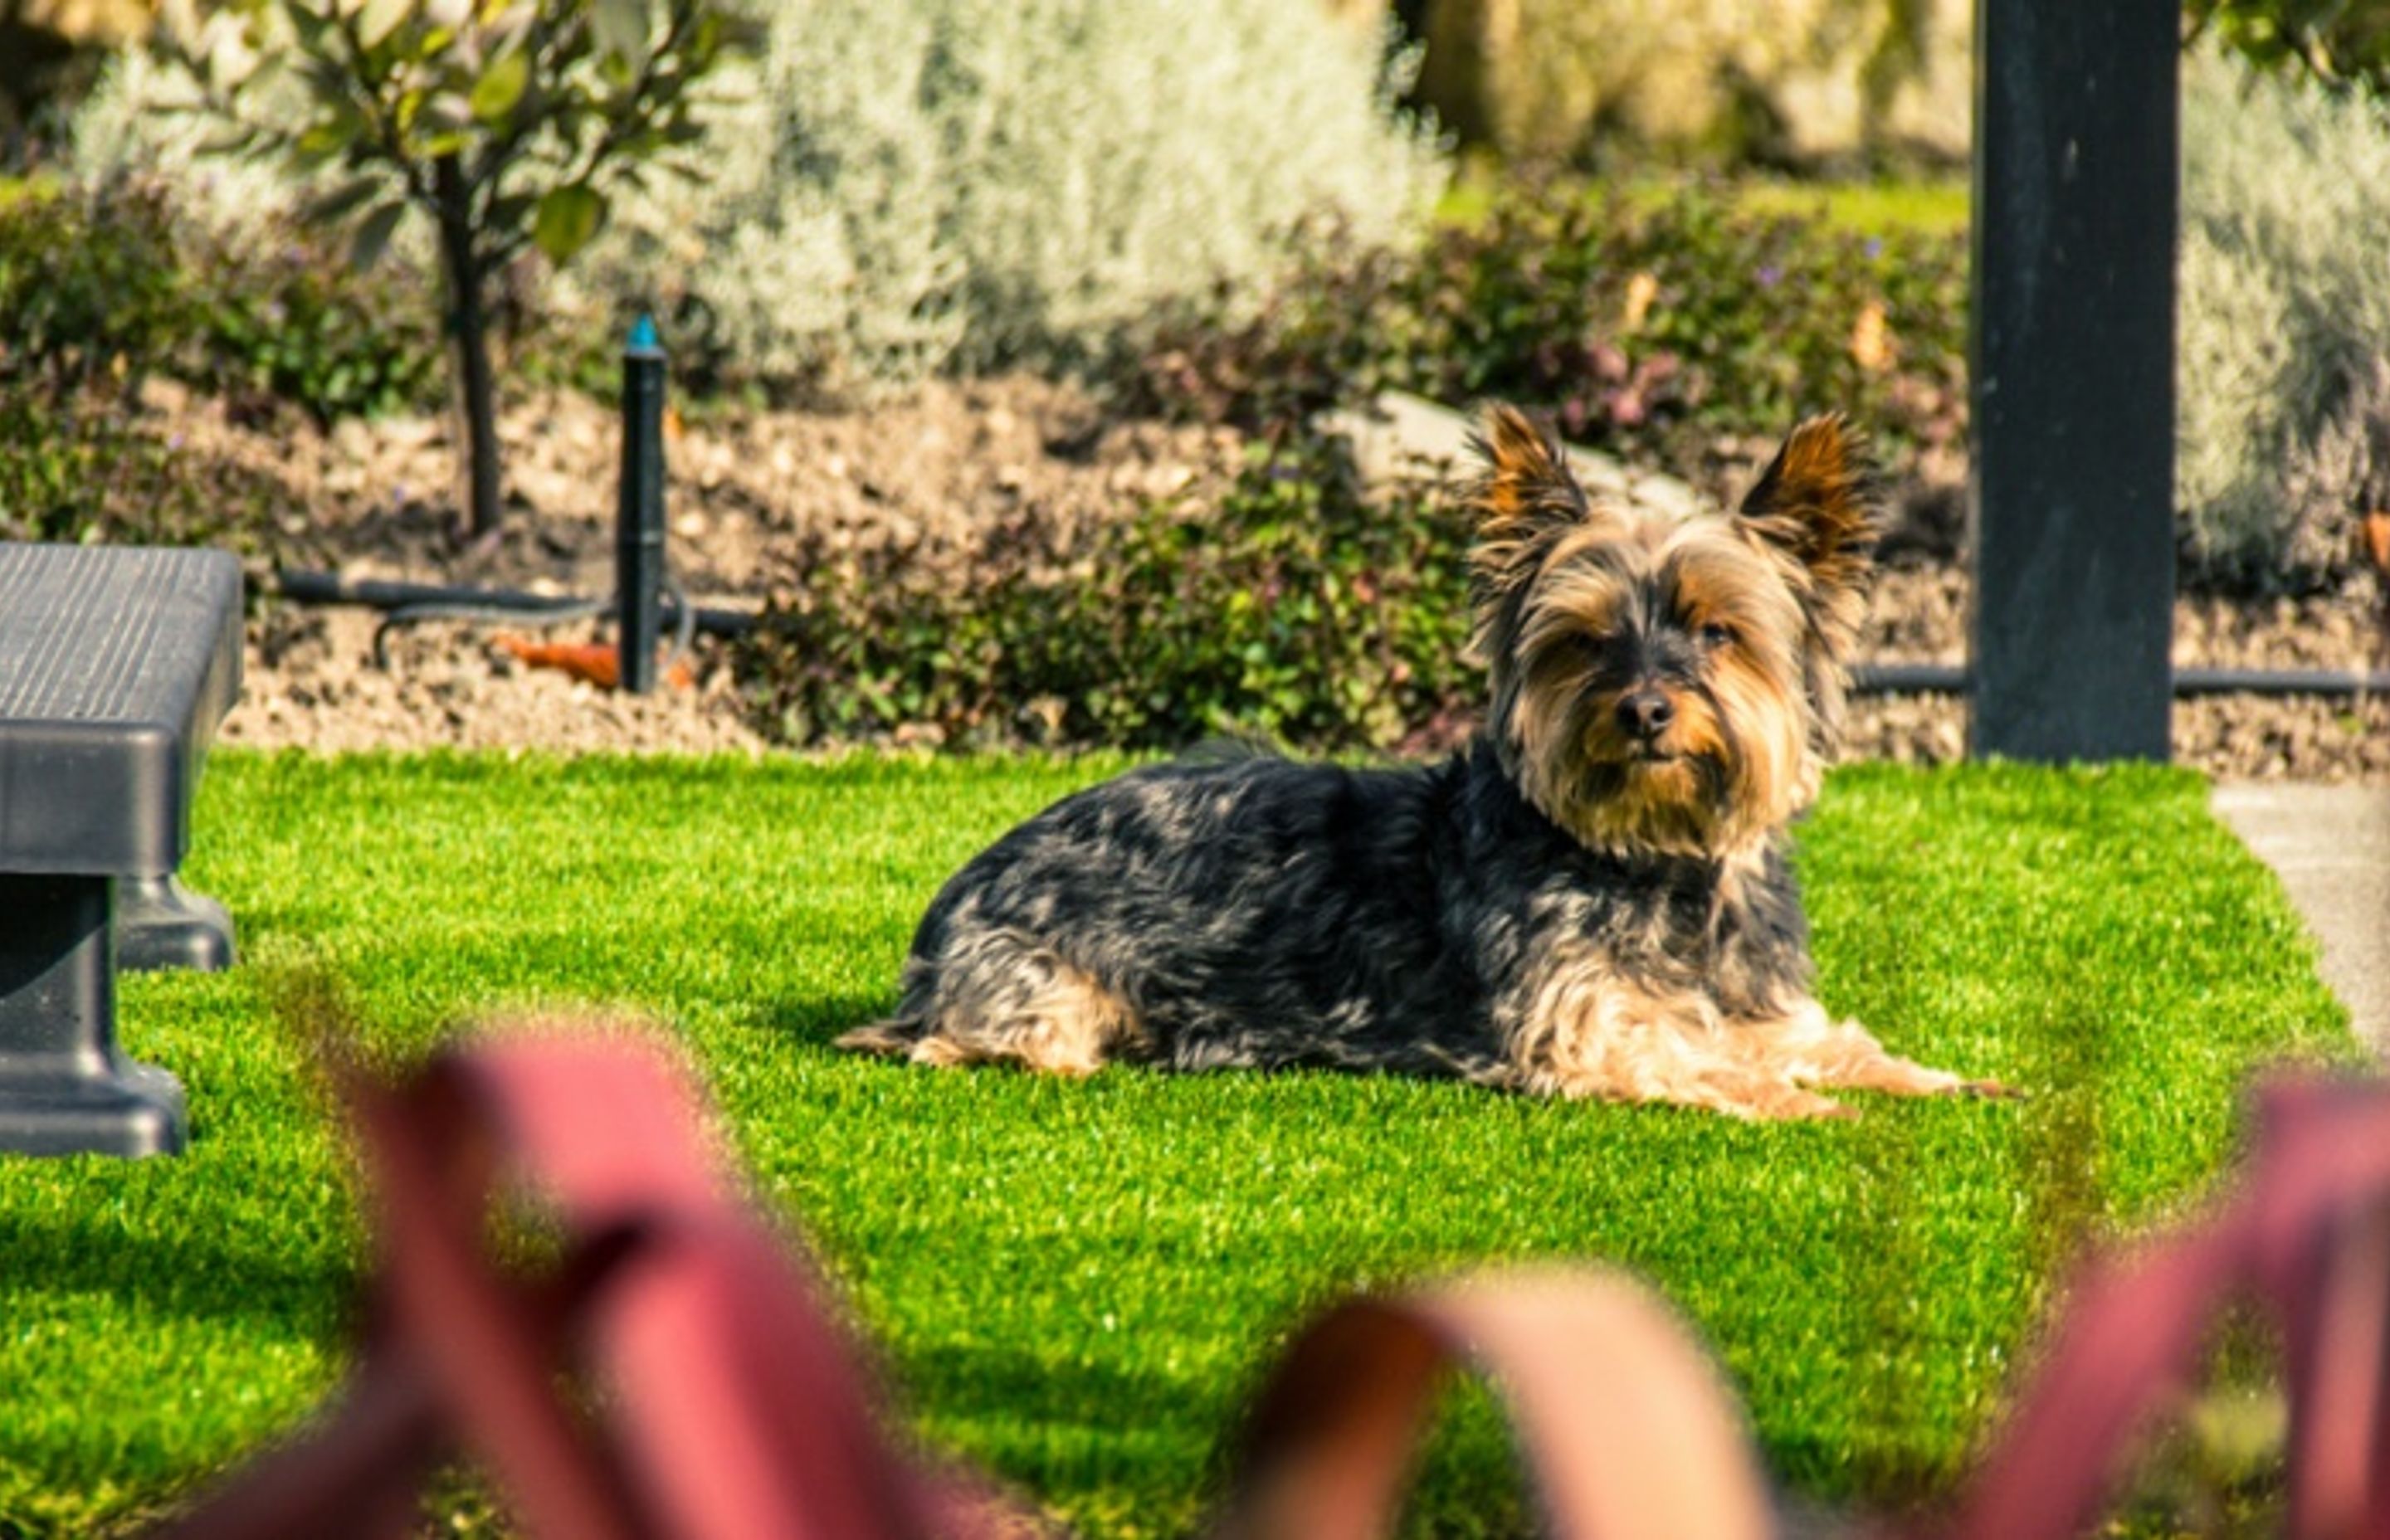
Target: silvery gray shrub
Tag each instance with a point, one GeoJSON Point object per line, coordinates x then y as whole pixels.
{"type": "Point", "coordinates": [2284, 374]}
{"type": "Point", "coordinates": [899, 187]}
{"type": "Point", "coordinates": [915, 184]}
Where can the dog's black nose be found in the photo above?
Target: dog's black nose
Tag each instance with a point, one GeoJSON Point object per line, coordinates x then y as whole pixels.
{"type": "Point", "coordinates": [1645, 715]}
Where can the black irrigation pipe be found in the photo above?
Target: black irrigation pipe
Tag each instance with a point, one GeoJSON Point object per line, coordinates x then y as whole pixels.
{"type": "Point", "coordinates": [1943, 679]}
{"type": "Point", "coordinates": [373, 593]}
{"type": "Point", "coordinates": [306, 587]}
{"type": "Point", "coordinates": [429, 601]}
{"type": "Point", "coordinates": [404, 604]}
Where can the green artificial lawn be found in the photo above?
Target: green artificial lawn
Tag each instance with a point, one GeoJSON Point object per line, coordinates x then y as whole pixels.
{"type": "Point", "coordinates": [1076, 1281]}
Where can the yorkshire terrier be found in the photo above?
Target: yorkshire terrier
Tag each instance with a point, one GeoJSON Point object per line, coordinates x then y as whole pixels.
{"type": "Point", "coordinates": [1590, 899]}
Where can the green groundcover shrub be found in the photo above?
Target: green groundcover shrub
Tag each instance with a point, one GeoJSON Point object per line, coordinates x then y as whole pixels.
{"type": "Point", "coordinates": [1296, 609]}
{"type": "Point", "coordinates": [1649, 328]}
{"type": "Point", "coordinates": [78, 468]}
{"type": "Point", "coordinates": [109, 282]}
{"type": "Point", "coordinates": [93, 288]}
{"type": "Point", "coordinates": [104, 289]}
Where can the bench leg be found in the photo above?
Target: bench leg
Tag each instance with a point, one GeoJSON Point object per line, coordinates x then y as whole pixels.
{"type": "Point", "coordinates": [64, 1086]}
{"type": "Point", "coordinates": [161, 924]}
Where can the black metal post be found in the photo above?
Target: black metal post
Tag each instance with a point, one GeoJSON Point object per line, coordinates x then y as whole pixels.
{"type": "Point", "coordinates": [639, 524]}
{"type": "Point", "coordinates": [2074, 377]}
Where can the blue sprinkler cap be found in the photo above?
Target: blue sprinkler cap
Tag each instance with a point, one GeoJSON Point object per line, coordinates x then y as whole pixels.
{"type": "Point", "coordinates": [643, 335]}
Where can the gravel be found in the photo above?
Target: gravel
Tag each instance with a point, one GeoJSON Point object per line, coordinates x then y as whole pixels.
{"type": "Point", "coordinates": [1918, 614]}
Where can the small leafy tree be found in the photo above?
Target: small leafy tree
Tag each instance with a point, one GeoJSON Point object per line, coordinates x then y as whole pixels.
{"type": "Point", "coordinates": [507, 123]}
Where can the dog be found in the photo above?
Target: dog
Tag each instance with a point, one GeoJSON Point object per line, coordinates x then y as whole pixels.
{"type": "Point", "coordinates": [1591, 898]}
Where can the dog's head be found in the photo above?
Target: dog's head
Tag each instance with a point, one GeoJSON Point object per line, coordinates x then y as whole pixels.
{"type": "Point", "coordinates": [1661, 685]}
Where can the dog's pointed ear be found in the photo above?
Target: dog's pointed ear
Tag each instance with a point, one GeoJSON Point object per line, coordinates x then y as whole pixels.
{"type": "Point", "coordinates": [1814, 504]}
{"type": "Point", "coordinates": [1525, 494]}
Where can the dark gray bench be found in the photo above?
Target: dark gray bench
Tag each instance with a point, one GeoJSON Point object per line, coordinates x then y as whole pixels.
{"type": "Point", "coordinates": [116, 664]}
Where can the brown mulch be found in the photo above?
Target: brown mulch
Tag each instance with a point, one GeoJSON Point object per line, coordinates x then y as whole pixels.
{"type": "Point", "coordinates": [958, 455]}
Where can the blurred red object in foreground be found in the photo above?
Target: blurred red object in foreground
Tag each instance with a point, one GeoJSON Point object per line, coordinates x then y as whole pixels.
{"type": "Point", "coordinates": [599, 662]}
{"type": "Point", "coordinates": [720, 1398]}
{"type": "Point", "coordinates": [726, 1402]}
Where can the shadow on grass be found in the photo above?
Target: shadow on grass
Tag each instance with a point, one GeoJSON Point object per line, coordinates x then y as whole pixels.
{"type": "Point", "coordinates": [1157, 1445]}
{"type": "Point", "coordinates": [982, 1382]}
{"type": "Point", "coordinates": [199, 1274]}
{"type": "Point", "coordinates": [817, 1018]}
{"type": "Point", "coordinates": [1080, 1433]}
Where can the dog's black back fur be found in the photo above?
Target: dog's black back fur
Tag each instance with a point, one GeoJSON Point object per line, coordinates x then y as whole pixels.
{"type": "Point", "coordinates": [1266, 913]}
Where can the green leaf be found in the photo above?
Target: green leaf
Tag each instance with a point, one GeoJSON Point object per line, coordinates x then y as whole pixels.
{"type": "Point", "coordinates": [510, 212]}
{"type": "Point", "coordinates": [380, 18]}
{"type": "Point", "coordinates": [621, 29]}
{"type": "Point", "coordinates": [742, 34]}
{"type": "Point", "coordinates": [501, 86]}
{"type": "Point", "coordinates": [448, 112]}
{"type": "Point", "coordinates": [325, 80]}
{"type": "Point", "coordinates": [373, 236]}
{"type": "Point", "coordinates": [341, 201]}
{"type": "Point", "coordinates": [568, 217]}
{"type": "Point", "coordinates": [232, 141]}
{"type": "Point", "coordinates": [325, 138]}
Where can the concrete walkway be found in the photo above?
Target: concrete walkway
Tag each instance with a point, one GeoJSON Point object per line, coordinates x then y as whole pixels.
{"type": "Point", "coordinates": [2331, 845]}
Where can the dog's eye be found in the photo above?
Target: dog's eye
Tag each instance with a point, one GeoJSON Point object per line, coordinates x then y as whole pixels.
{"type": "Point", "coordinates": [1713, 634]}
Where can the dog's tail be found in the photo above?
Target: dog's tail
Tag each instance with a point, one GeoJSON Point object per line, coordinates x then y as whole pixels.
{"type": "Point", "coordinates": [891, 1039]}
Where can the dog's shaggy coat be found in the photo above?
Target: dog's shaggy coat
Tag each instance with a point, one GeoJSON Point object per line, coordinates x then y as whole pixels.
{"type": "Point", "coordinates": [1592, 899]}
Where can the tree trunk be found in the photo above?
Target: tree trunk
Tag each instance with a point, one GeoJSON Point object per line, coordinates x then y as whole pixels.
{"type": "Point", "coordinates": [469, 336]}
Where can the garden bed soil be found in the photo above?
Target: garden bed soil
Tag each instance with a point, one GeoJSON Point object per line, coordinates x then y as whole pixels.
{"type": "Point", "coordinates": [376, 500]}
{"type": "Point", "coordinates": [379, 499]}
